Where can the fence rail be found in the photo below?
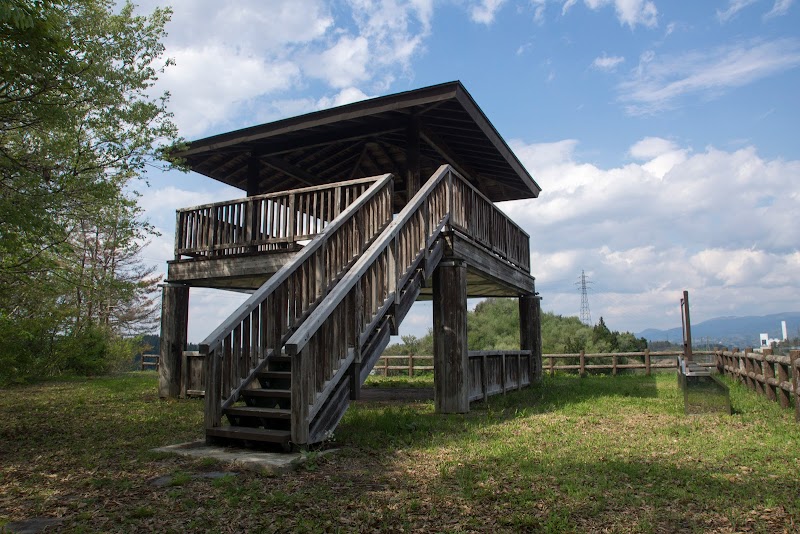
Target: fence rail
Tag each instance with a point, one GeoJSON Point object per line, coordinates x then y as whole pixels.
{"type": "Point", "coordinates": [497, 372]}
{"type": "Point", "coordinates": [650, 361]}
{"type": "Point", "coordinates": [384, 366]}
{"type": "Point", "coordinates": [775, 377]}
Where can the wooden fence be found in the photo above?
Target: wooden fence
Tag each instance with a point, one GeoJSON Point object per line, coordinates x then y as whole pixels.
{"type": "Point", "coordinates": [193, 382]}
{"type": "Point", "coordinates": [646, 360]}
{"type": "Point", "coordinates": [150, 362]}
{"type": "Point", "coordinates": [496, 372]}
{"type": "Point", "coordinates": [407, 365]}
{"type": "Point", "coordinates": [775, 377]}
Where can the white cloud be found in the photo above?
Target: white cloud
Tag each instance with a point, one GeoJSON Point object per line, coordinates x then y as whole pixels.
{"type": "Point", "coordinates": [718, 223]}
{"type": "Point", "coordinates": [659, 155]}
{"type": "Point", "coordinates": [780, 8]}
{"type": "Point", "coordinates": [658, 82]}
{"type": "Point", "coordinates": [483, 11]}
{"type": "Point", "coordinates": [629, 12]}
{"type": "Point", "coordinates": [538, 10]}
{"type": "Point", "coordinates": [734, 6]}
{"type": "Point", "coordinates": [567, 5]}
{"type": "Point", "coordinates": [209, 84]}
{"type": "Point", "coordinates": [605, 62]}
{"type": "Point", "coordinates": [237, 62]}
{"type": "Point", "coordinates": [343, 64]}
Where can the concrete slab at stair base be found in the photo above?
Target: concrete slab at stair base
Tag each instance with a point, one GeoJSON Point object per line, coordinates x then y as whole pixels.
{"type": "Point", "coordinates": [273, 463]}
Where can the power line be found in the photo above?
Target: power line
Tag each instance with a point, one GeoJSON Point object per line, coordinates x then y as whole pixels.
{"type": "Point", "coordinates": [583, 283]}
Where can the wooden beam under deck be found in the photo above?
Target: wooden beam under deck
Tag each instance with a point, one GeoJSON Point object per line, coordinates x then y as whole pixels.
{"type": "Point", "coordinates": [487, 275]}
{"type": "Point", "coordinates": [243, 272]}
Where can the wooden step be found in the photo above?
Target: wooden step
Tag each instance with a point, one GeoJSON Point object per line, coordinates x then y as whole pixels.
{"type": "Point", "coordinates": [251, 434]}
{"type": "Point", "coordinates": [271, 393]}
{"type": "Point", "coordinates": [280, 358]}
{"type": "Point", "coordinates": [256, 411]}
{"type": "Point", "coordinates": [275, 374]}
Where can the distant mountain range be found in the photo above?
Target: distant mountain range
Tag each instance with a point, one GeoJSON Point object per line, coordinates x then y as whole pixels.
{"type": "Point", "coordinates": [731, 331]}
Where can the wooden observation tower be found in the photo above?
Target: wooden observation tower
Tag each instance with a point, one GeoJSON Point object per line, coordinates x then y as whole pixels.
{"type": "Point", "coordinates": [351, 214]}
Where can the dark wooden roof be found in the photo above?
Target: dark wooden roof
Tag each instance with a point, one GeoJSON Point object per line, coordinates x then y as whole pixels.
{"type": "Point", "coordinates": [365, 139]}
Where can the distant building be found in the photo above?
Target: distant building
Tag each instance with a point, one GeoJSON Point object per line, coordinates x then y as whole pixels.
{"type": "Point", "coordinates": [766, 342]}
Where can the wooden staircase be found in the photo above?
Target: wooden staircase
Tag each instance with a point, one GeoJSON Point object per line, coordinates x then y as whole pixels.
{"type": "Point", "coordinates": [283, 368]}
{"type": "Point", "coordinates": [264, 413]}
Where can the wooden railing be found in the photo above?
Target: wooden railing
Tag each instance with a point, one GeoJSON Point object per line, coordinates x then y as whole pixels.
{"type": "Point", "coordinates": [193, 382]}
{"type": "Point", "coordinates": [265, 222]}
{"type": "Point", "coordinates": [649, 361]}
{"type": "Point", "coordinates": [491, 372]}
{"type": "Point", "coordinates": [409, 364]}
{"type": "Point", "coordinates": [478, 218]}
{"type": "Point", "coordinates": [775, 377]}
{"type": "Point", "coordinates": [325, 345]}
{"type": "Point", "coordinates": [239, 348]}
{"type": "Point", "coordinates": [495, 372]}
{"type": "Point", "coordinates": [150, 362]}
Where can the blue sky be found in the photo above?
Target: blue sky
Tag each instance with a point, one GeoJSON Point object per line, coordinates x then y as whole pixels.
{"type": "Point", "coordinates": [664, 134]}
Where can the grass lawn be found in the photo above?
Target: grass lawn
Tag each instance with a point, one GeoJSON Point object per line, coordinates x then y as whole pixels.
{"type": "Point", "coordinates": [571, 455]}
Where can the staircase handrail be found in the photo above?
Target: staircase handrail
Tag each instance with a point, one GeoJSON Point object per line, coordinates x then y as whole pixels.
{"type": "Point", "coordinates": [214, 339]}
{"type": "Point", "coordinates": [242, 345]}
{"type": "Point", "coordinates": [301, 336]}
{"type": "Point", "coordinates": [340, 324]}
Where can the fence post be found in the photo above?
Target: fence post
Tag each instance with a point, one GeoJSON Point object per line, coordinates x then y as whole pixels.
{"type": "Point", "coordinates": [552, 364]}
{"type": "Point", "coordinates": [758, 369]}
{"type": "Point", "coordinates": [647, 362]}
{"type": "Point", "coordinates": [385, 366]}
{"type": "Point", "coordinates": [410, 365]}
{"type": "Point", "coordinates": [769, 374]}
{"type": "Point", "coordinates": [614, 365]}
{"type": "Point", "coordinates": [748, 368]}
{"type": "Point", "coordinates": [583, 363]}
{"type": "Point", "coordinates": [484, 379]}
{"type": "Point", "coordinates": [784, 376]}
{"type": "Point", "coordinates": [794, 356]}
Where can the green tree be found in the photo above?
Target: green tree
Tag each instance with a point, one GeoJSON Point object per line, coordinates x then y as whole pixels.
{"type": "Point", "coordinates": [79, 123]}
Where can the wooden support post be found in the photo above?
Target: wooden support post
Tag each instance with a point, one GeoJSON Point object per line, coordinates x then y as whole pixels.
{"type": "Point", "coordinates": [253, 174]}
{"type": "Point", "coordinates": [413, 180]}
{"type": "Point", "coordinates": [213, 411]}
{"type": "Point", "coordinates": [748, 368]}
{"type": "Point", "coordinates": [174, 321]}
{"type": "Point", "coordinates": [530, 333]}
{"type": "Point", "coordinates": [784, 376]}
{"type": "Point", "coordinates": [484, 378]}
{"type": "Point", "coordinates": [614, 365]}
{"type": "Point", "coordinates": [769, 373]}
{"type": "Point", "coordinates": [451, 364]}
{"type": "Point", "coordinates": [794, 355]}
{"type": "Point", "coordinates": [687, 327]}
{"type": "Point", "coordinates": [582, 357]}
{"type": "Point", "coordinates": [647, 362]}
